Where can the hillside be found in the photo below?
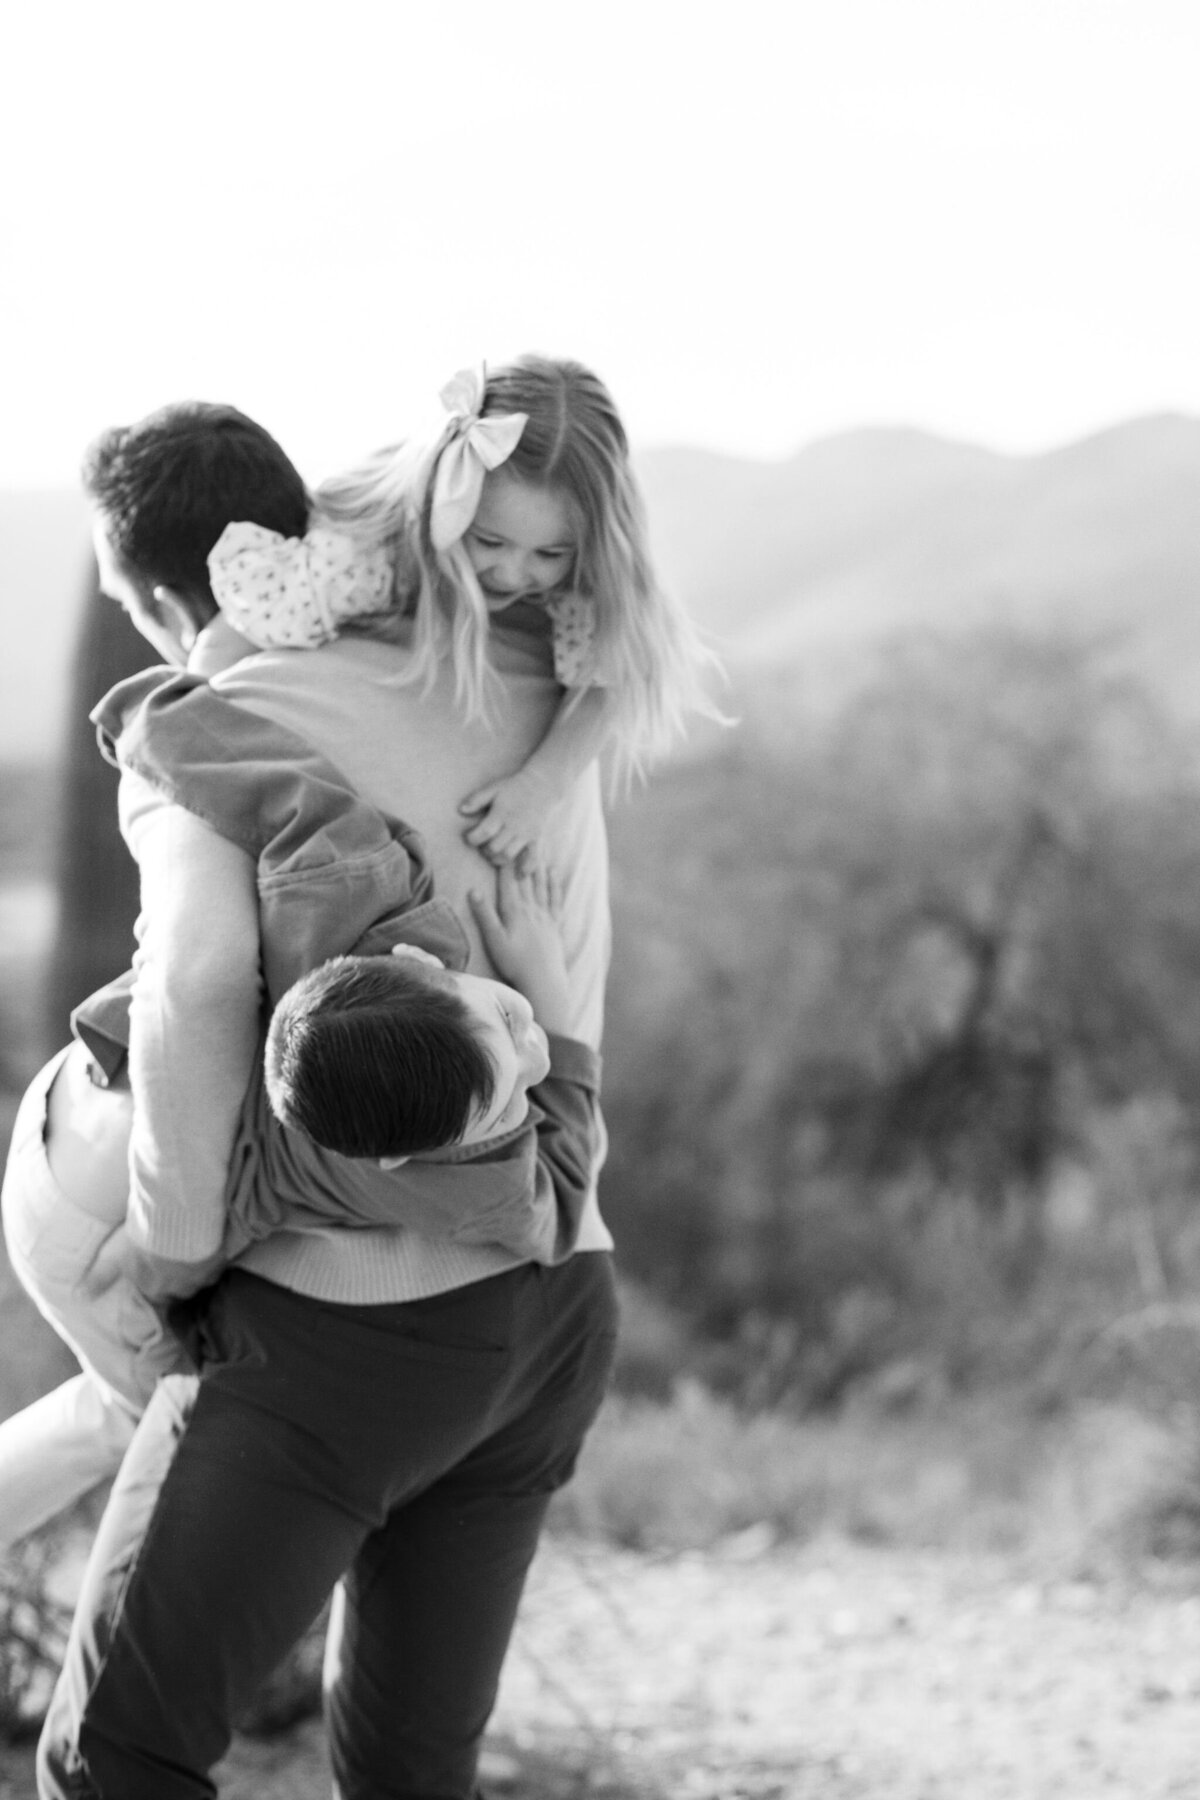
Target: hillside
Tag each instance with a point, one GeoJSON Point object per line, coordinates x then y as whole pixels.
{"type": "Point", "coordinates": [872, 532]}
{"type": "Point", "coordinates": [856, 535]}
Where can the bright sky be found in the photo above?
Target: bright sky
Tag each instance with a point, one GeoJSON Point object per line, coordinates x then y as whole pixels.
{"type": "Point", "coordinates": [761, 221]}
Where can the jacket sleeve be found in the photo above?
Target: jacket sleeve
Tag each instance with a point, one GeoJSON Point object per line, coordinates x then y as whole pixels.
{"type": "Point", "coordinates": [194, 1024]}
{"type": "Point", "coordinates": [567, 1142]}
{"type": "Point", "coordinates": [331, 866]}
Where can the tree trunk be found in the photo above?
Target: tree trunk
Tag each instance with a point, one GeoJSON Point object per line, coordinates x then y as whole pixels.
{"type": "Point", "coordinates": [96, 878]}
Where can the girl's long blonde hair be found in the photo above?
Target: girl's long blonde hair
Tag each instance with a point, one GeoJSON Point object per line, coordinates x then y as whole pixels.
{"type": "Point", "coordinates": [647, 650]}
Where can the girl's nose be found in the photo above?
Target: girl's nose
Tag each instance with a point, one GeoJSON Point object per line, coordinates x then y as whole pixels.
{"type": "Point", "coordinates": [508, 571]}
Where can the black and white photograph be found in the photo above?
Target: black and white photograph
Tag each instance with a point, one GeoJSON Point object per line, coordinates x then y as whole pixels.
{"type": "Point", "coordinates": [600, 900]}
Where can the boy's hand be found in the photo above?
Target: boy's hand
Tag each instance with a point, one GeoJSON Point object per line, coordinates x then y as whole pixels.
{"type": "Point", "coordinates": [416, 954]}
{"type": "Point", "coordinates": [521, 934]}
{"type": "Point", "coordinates": [512, 812]}
{"type": "Point", "coordinates": [218, 647]}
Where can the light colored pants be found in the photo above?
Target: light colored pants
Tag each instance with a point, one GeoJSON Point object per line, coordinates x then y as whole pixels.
{"type": "Point", "coordinates": [63, 1445]}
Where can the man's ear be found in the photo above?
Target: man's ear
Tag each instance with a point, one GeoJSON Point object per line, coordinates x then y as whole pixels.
{"type": "Point", "coordinates": [179, 614]}
{"type": "Point", "coordinates": [392, 1162]}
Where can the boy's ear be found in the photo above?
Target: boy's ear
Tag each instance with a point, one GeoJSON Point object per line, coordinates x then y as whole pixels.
{"type": "Point", "coordinates": [392, 1162]}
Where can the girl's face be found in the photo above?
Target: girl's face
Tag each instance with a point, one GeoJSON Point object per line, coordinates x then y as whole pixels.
{"type": "Point", "coordinates": [521, 542]}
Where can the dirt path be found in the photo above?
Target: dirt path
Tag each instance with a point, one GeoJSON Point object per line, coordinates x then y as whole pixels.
{"type": "Point", "coordinates": [850, 1674]}
{"type": "Point", "coordinates": [834, 1672]}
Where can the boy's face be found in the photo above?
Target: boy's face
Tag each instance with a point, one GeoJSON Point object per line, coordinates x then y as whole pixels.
{"type": "Point", "coordinates": [156, 623]}
{"type": "Point", "coordinates": [516, 1046]}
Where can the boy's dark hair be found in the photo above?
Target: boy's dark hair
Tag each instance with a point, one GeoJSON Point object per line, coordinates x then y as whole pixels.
{"type": "Point", "coordinates": [376, 1056]}
{"type": "Point", "coordinates": [168, 486]}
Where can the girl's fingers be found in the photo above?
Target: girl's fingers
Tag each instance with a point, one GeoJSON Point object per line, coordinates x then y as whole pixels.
{"type": "Point", "coordinates": [507, 892]}
{"type": "Point", "coordinates": [481, 904]}
{"type": "Point", "coordinates": [524, 885]}
{"type": "Point", "coordinates": [486, 918]}
{"type": "Point", "coordinates": [478, 801]}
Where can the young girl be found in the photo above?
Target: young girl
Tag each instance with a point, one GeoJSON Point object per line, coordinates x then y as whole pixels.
{"type": "Point", "coordinates": [522, 514]}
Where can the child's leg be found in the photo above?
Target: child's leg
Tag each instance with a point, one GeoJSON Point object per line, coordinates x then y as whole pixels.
{"type": "Point", "coordinates": [57, 1450]}
{"type": "Point", "coordinates": [54, 1229]}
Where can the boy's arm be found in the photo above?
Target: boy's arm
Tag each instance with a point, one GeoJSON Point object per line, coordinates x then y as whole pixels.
{"type": "Point", "coordinates": [332, 866]}
{"type": "Point", "coordinates": [567, 1142]}
{"type": "Point", "coordinates": [514, 808]}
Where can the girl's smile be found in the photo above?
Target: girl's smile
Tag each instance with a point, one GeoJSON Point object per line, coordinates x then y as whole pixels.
{"type": "Point", "coordinates": [521, 542]}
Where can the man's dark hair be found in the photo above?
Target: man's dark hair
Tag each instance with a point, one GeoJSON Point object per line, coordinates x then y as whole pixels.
{"type": "Point", "coordinates": [376, 1056]}
{"type": "Point", "coordinates": [168, 486]}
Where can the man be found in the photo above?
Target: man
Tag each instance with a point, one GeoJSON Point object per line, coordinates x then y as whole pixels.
{"type": "Point", "coordinates": [374, 1406]}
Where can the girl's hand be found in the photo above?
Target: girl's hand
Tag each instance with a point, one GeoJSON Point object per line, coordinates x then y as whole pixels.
{"type": "Point", "coordinates": [511, 813]}
{"type": "Point", "coordinates": [522, 936]}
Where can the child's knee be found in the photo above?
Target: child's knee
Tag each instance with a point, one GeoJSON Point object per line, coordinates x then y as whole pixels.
{"type": "Point", "coordinates": [86, 1139]}
{"type": "Point", "coordinates": [55, 1229]}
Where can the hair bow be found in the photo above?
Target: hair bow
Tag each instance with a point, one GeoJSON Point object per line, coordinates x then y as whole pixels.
{"type": "Point", "coordinates": [476, 446]}
{"type": "Point", "coordinates": [295, 592]}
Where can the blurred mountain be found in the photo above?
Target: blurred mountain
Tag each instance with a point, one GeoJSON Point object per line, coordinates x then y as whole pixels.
{"type": "Point", "coordinates": [44, 564]}
{"type": "Point", "coordinates": [873, 532]}
{"type": "Point", "coordinates": [798, 562]}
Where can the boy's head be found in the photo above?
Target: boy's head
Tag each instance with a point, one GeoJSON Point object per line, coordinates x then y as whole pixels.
{"type": "Point", "coordinates": [163, 491]}
{"type": "Point", "coordinates": [395, 1056]}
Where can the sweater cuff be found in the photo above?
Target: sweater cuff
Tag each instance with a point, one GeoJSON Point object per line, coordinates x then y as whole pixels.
{"type": "Point", "coordinates": [571, 1060]}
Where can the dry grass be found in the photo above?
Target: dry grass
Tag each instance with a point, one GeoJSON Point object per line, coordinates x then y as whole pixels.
{"type": "Point", "coordinates": [1092, 1483]}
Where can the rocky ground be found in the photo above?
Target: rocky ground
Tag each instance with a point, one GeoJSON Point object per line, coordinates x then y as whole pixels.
{"type": "Point", "coordinates": [831, 1672]}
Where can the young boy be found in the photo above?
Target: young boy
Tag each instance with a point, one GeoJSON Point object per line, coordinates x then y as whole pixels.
{"type": "Point", "coordinates": [331, 869]}
{"type": "Point", "coordinates": [398, 1059]}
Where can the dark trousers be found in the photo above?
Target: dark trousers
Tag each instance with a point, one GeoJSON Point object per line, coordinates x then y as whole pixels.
{"type": "Point", "coordinates": [409, 1451]}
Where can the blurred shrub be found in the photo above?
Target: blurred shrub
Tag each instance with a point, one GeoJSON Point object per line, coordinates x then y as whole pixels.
{"type": "Point", "coordinates": [1099, 1487]}
{"type": "Point", "coordinates": [699, 1472]}
{"type": "Point", "coordinates": [35, 1617]}
{"type": "Point", "coordinates": [879, 980]}
{"type": "Point", "coordinates": [655, 1348]}
{"type": "Point", "coordinates": [33, 1635]}
{"type": "Point", "coordinates": [682, 1476]}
